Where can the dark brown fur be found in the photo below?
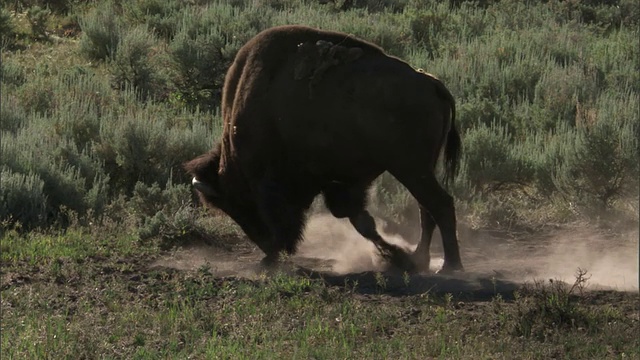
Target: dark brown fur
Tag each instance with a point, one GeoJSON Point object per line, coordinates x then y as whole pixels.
{"type": "Point", "coordinates": [314, 59]}
{"type": "Point", "coordinates": [280, 148]}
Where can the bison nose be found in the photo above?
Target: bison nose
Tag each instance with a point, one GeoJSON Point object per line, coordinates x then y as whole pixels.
{"type": "Point", "coordinates": [204, 188]}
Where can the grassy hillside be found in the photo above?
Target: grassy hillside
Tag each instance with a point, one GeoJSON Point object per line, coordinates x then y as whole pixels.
{"type": "Point", "coordinates": [100, 103]}
{"type": "Point", "coordinates": [117, 95]}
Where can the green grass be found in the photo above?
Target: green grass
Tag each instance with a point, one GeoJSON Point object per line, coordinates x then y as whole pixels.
{"type": "Point", "coordinates": [68, 297]}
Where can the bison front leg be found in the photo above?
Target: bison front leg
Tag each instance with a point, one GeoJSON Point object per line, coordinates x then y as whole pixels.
{"type": "Point", "coordinates": [283, 213]}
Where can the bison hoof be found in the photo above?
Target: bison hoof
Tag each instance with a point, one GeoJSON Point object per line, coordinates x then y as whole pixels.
{"type": "Point", "coordinates": [450, 269]}
{"type": "Point", "coordinates": [269, 262]}
{"type": "Point", "coordinates": [403, 261]}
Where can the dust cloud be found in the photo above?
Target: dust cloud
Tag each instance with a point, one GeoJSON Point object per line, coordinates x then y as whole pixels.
{"type": "Point", "coordinates": [611, 262]}
{"type": "Point", "coordinates": [332, 245]}
{"type": "Point", "coordinates": [335, 240]}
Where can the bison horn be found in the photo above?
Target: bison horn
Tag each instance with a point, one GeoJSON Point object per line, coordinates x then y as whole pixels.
{"type": "Point", "coordinates": [203, 187]}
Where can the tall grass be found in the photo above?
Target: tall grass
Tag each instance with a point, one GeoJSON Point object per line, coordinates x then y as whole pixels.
{"type": "Point", "coordinates": [545, 95]}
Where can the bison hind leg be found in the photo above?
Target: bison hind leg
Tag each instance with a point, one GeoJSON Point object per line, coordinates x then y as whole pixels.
{"type": "Point", "coordinates": [364, 223]}
{"type": "Point", "coordinates": [436, 207]}
{"type": "Point", "coordinates": [343, 201]}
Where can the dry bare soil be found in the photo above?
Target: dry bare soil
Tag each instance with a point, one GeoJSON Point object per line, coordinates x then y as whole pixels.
{"type": "Point", "coordinates": [494, 260]}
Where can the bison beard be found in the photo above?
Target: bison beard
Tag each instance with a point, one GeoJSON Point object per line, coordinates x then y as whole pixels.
{"type": "Point", "coordinates": [281, 147]}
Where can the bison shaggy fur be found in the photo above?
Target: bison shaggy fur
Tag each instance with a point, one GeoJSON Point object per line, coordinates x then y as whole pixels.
{"type": "Point", "coordinates": [281, 147]}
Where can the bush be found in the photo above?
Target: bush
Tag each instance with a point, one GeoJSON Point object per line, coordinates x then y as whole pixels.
{"type": "Point", "coordinates": [83, 100]}
{"type": "Point", "coordinates": [427, 27]}
{"type": "Point", "coordinates": [371, 6]}
{"type": "Point", "coordinates": [204, 48]}
{"type": "Point", "coordinates": [62, 184]}
{"type": "Point", "coordinates": [72, 178]}
{"type": "Point", "coordinates": [12, 74]}
{"type": "Point", "coordinates": [38, 96]}
{"type": "Point", "coordinates": [541, 306]}
{"type": "Point", "coordinates": [605, 167]}
{"type": "Point", "coordinates": [491, 161]}
{"type": "Point", "coordinates": [613, 59]}
{"type": "Point", "coordinates": [55, 6]}
{"type": "Point", "coordinates": [12, 115]}
{"type": "Point", "coordinates": [140, 147]}
{"type": "Point", "coordinates": [560, 91]}
{"type": "Point", "coordinates": [392, 200]}
{"type": "Point", "coordinates": [162, 17]}
{"type": "Point", "coordinates": [6, 29]}
{"type": "Point", "coordinates": [550, 152]}
{"type": "Point", "coordinates": [477, 111]}
{"type": "Point", "coordinates": [132, 66]}
{"type": "Point", "coordinates": [166, 213]}
{"type": "Point", "coordinates": [544, 100]}
{"type": "Point", "coordinates": [22, 199]}
{"type": "Point", "coordinates": [101, 32]}
{"type": "Point", "coordinates": [38, 18]}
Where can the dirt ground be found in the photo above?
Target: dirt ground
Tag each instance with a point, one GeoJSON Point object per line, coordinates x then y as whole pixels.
{"type": "Point", "coordinates": [495, 262]}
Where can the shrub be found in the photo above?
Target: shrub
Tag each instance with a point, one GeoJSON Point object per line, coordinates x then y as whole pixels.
{"type": "Point", "coordinates": [560, 91]}
{"type": "Point", "coordinates": [389, 32]}
{"type": "Point", "coordinates": [38, 18]}
{"type": "Point", "coordinates": [139, 146]}
{"type": "Point", "coordinates": [132, 66]}
{"type": "Point", "coordinates": [541, 306]}
{"type": "Point", "coordinates": [101, 32]}
{"type": "Point", "coordinates": [427, 27]}
{"type": "Point", "coordinates": [204, 47]}
{"type": "Point", "coordinates": [518, 15]}
{"type": "Point", "coordinates": [12, 115]}
{"type": "Point", "coordinates": [11, 73]}
{"type": "Point", "coordinates": [38, 96]}
{"type": "Point", "coordinates": [83, 99]}
{"type": "Point", "coordinates": [22, 199]}
{"type": "Point", "coordinates": [492, 161]}
{"type": "Point", "coordinates": [56, 6]}
{"type": "Point", "coordinates": [630, 11]}
{"type": "Point", "coordinates": [162, 17]}
{"type": "Point", "coordinates": [6, 29]}
{"type": "Point", "coordinates": [550, 152]}
{"type": "Point", "coordinates": [392, 200]}
{"type": "Point", "coordinates": [371, 6]}
{"type": "Point", "coordinates": [613, 59]}
{"type": "Point", "coordinates": [72, 178]}
{"type": "Point", "coordinates": [166, 213]}
{"type": "Point", "coordinates": [62, 184]}
{"type": "Point", "coordinates": [605, 163]}
{"type": "Point", "coordinates": [543, 100]}
{"type": "Point", "coordinates": [476, 111]}
{"type": "Point", "coordinates": [81, 127]}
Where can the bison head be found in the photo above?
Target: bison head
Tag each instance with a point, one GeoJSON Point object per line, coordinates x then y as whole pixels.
{"type": "Point", "coordinates": [204, 170]}
{"type": "Point", "coordinates": [223, 192]}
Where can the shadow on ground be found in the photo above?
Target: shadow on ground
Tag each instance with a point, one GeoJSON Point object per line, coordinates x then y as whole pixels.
{"type": "Point", "coordinates": [462, 286]}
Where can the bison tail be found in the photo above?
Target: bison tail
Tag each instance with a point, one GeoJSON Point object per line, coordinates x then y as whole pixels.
{"type": "Point", "coordinates": [452, 149]}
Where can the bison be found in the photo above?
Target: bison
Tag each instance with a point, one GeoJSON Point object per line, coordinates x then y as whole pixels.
{"type": "Point", "coordinates": [280, 147]}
